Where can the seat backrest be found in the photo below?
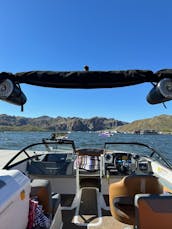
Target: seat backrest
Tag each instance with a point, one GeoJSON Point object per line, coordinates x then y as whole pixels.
{"type": "Point", "coordinates": [134, 184]}
{"type": "Point", "coordinates": [42, 190]}
{"type": "Point", "coordinates": [153, 211]}
{"type": "Point", "coordinates": [127, 188]}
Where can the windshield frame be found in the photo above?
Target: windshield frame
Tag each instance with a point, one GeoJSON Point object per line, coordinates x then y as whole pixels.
{"type": "Point", "coordinates": [44, 142]}
{"type": "Point", "coordinates": [154, 153]}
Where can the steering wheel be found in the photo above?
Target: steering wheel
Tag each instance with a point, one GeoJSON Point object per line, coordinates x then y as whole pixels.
{"type": "Point", "coordinates": [123, 164]}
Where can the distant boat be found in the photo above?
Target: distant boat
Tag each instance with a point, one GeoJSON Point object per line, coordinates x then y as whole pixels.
{"type": "Point", "coordinates": [105, 134]}
{"type": "Point", "coordinates": [59, 135]}
{"type": "Point", "coordinates": [136, 132]}
{"type": "Point", "coordinates": [146, 132]}
{"type": "Point", "coordinates": [149, 132]}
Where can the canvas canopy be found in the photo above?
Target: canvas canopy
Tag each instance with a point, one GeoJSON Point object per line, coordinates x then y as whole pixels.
{"type": "Point", "coordinates": [86, 79]}
{"type": "Point", "coordinates": [10, 90]}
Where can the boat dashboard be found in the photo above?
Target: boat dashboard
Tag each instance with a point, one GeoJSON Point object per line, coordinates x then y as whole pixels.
{"type": "Point", "coordinates": [124, 163]}
{"type": "Point", "coordinates": [112, 163]}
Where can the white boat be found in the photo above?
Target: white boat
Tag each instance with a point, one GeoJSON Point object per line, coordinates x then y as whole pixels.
{"type": "Point", "coordinates": [59, 135]}
{"type": "Point", "coordinates": [123, 185]}
{"type": "Point", "coordinates": [105, 134]}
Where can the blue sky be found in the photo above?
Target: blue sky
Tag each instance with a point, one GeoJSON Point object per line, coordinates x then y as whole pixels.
{"type": "Point", "coordinates": [64, 35]}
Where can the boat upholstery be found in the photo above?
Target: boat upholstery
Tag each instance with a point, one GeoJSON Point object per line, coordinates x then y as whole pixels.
{"type": "Point", "coordinates": [50, 168]}
{"type": "Point", "coordinates": [122, 193]}
{"type": "Point", "coordinates": [41, 189]}
{"type": "Point", "coordinates": [153, 211]}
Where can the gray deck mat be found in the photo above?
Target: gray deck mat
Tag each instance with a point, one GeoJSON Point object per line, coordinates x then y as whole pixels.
{"type": "Point", "coordinates": [88, 206]}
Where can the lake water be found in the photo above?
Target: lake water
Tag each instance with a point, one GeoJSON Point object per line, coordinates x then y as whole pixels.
{"type": "Point", "coordinates": [18, 140]}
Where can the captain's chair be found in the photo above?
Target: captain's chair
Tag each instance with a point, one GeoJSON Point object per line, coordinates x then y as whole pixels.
{"type": "Point", "coordinates": [122, 193]}
{"type": "Point", "coordinates": [153, 211]}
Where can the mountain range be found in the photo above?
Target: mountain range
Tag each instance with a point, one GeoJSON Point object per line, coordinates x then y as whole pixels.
{"type": "Point", "coordinates": [46, 123]}
{"type": "Point", "coordinates": [162, 123]}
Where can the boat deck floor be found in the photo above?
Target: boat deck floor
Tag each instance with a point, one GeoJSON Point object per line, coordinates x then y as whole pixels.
{"type": "Point", "coordinates": [89, 212]}
{"type": "Point", "coordinates": [107, 221]}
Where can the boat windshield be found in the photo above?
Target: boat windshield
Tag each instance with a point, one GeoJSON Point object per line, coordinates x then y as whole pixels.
{"type": "Point", "coordinates": [137, 149]}
{"type": "Point", "coordinates": [59, 147]}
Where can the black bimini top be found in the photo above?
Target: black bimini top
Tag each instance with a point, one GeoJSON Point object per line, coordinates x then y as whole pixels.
{"type": "Point", "coordinates": [86, 79]}
{"type": "Point", "coordinates": [10, 90]}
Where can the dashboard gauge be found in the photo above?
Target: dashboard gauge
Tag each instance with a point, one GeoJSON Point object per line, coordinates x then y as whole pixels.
{"type": "Point", "coordinates": [108, 157]}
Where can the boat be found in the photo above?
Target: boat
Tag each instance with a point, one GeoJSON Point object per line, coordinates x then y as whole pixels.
{"type": "Point", "coordinates": [149, 132]}
{"type": "Point", "coordinates": [105, 134]}
{"type": "Point", "coordinates": [52, 184]}
{"type": "Point", "coordinates": [59, 135]}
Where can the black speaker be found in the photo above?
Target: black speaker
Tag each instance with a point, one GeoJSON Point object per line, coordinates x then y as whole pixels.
{"type": "Point", "coordinates": [11, 93]}
{"type": "Point", "coordinates": [161, 92]}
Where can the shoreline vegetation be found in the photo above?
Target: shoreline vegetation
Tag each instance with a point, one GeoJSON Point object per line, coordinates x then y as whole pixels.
{"type": "Point", "coordinates": [160, 124]}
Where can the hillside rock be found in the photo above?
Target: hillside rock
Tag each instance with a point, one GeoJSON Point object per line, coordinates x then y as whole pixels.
{"type": "Point", "coordinates": [46, 123]}
{"type": "Point", "coordinates": [161, 123]}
